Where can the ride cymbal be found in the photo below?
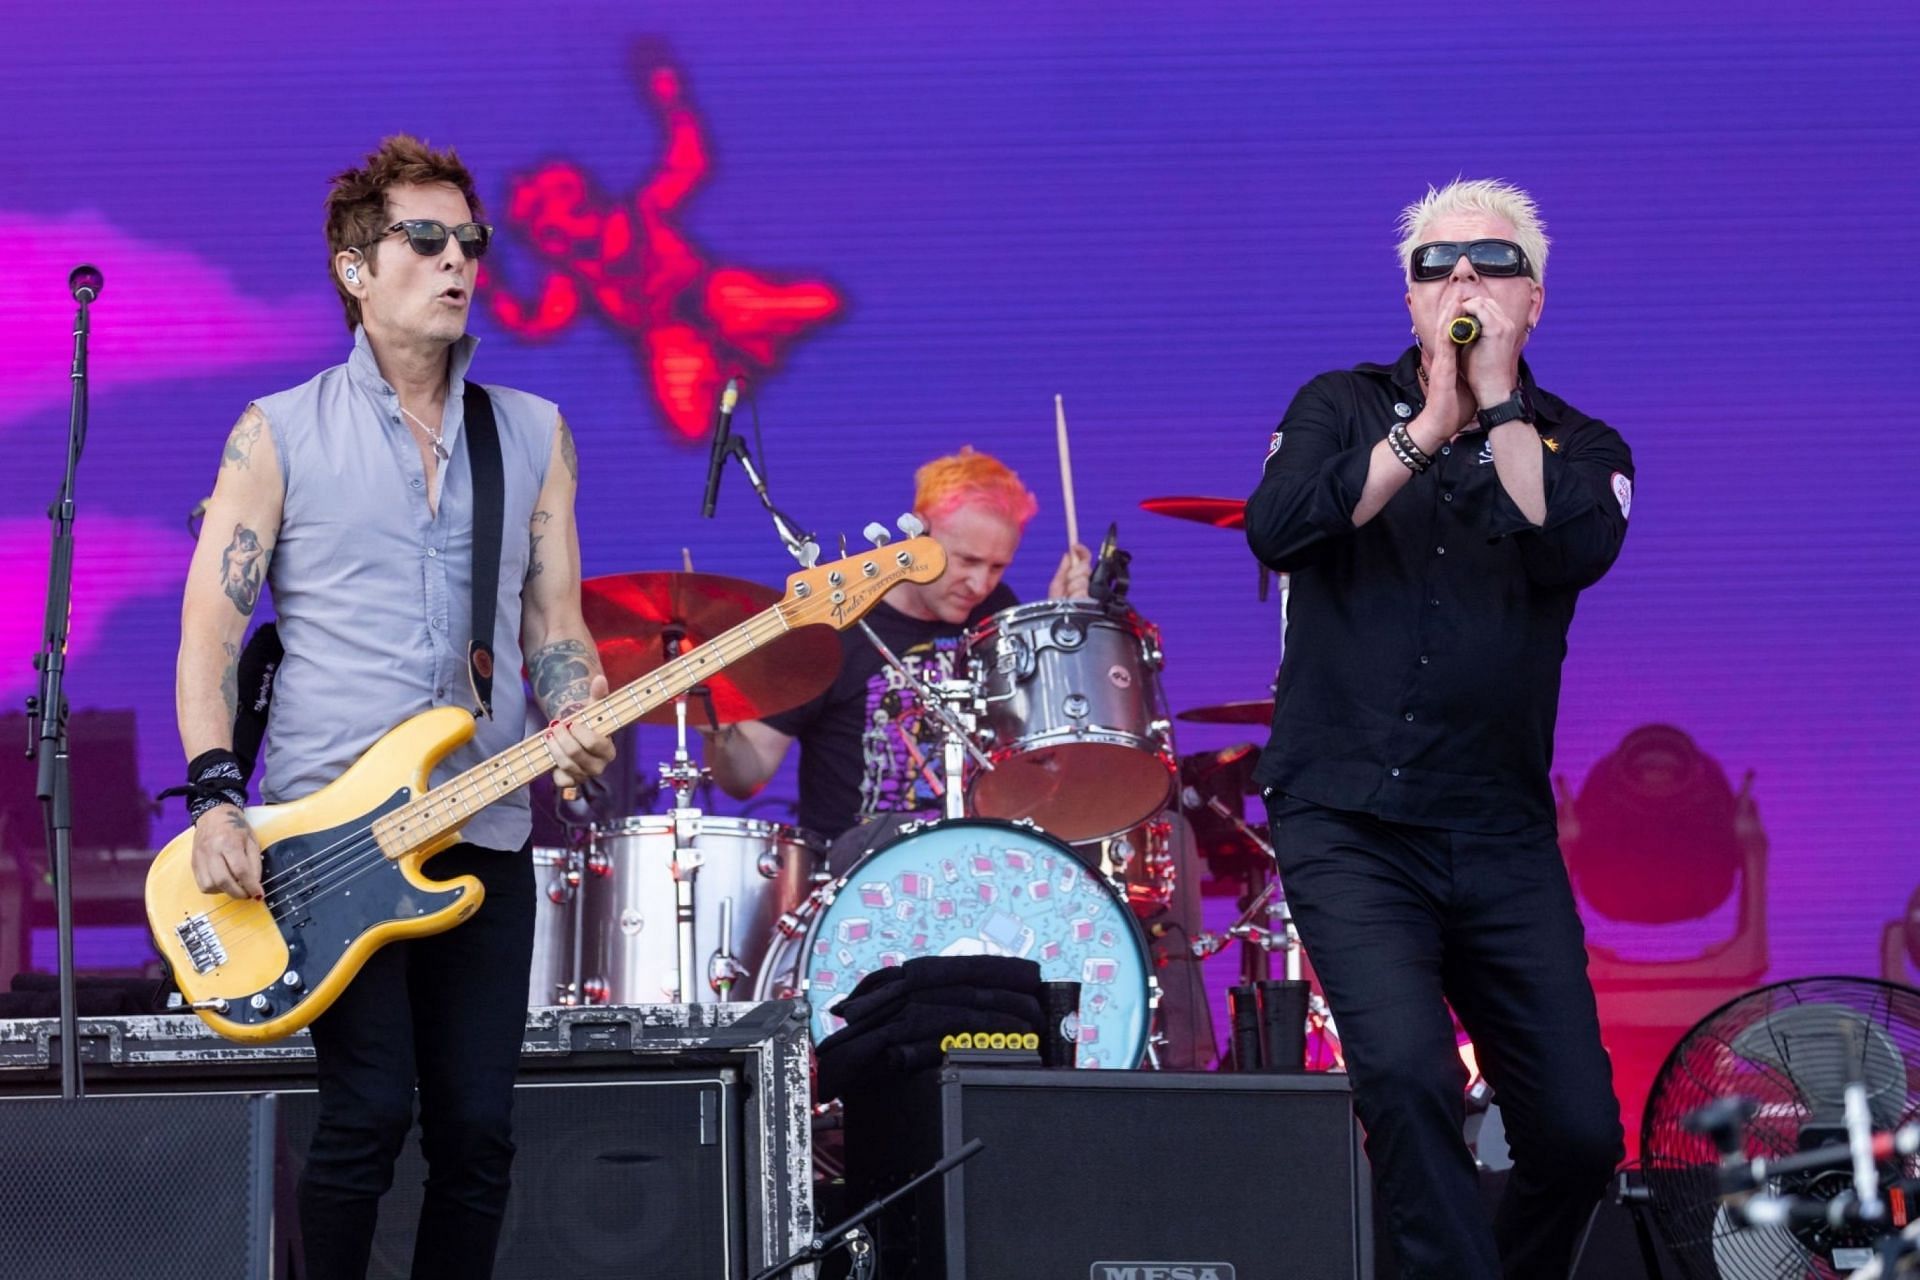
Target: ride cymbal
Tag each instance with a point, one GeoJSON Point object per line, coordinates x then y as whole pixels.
{"type": "Point", "coordinates": [640, 621]}
{"type": "Point", "coordinates": [1221, 513]}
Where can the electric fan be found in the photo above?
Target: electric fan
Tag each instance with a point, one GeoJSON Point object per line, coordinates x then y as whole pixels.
{"type": "Point", "coordinates": [1790, 1049]}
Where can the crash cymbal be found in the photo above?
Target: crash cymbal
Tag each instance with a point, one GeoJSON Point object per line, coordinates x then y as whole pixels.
{"type": "Point", "coordinates": [1255, 711]}
{"type": "Point", "coordinates": [635, 616]}
{"type": "Point", "coordinates": [1221, 513]}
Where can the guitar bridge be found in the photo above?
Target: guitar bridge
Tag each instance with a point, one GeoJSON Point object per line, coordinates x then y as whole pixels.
{"type": "Point", "coordinates": [201, 943]}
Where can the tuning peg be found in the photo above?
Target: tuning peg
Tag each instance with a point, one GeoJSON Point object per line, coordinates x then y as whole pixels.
{"type": "Point", "coordinates": [809, 554]}
{"type": "Point", "coordinates": [911, 525]}
{"type": "Point", "coordinates": [877, 534]}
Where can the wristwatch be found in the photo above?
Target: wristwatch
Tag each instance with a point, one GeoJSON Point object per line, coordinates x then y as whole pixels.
{"type": "Point", "coordinates": [1514, 407]}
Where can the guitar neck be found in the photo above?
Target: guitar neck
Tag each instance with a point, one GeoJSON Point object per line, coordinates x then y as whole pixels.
{"type": "Point", "coordinates": [455, 801]}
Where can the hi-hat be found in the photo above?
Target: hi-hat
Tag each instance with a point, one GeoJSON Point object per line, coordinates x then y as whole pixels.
{"type": "Point", "coordinates": [1254, 711]}
{"type": "Point", "coordinates": [1221, 513]}
{"type": "Point", "coordinates": [637, 618]}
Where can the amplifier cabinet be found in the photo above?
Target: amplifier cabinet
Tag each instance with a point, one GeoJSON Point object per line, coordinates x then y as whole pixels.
{"type": "Point", "coordinates": [675, 1139]}
{"type": "Point", "coordinates": [1122, 1175]}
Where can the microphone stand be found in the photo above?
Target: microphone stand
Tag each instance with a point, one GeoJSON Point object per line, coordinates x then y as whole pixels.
{"type": "Point", "coordinates": [843, 1233]}
{"type": "Point", "coordinates": [47, 710]}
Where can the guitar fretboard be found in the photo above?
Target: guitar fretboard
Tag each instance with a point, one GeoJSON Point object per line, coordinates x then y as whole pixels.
{"type": "Point", "coordinates": [453, 802]}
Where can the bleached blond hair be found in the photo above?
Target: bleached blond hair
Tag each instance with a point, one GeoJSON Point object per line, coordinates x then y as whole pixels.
{"type": "Point", "coordinates": [1476, 195]}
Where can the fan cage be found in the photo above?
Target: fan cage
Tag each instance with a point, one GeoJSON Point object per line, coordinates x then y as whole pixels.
{"type": "Point", "coordinates": [1781, 1047]}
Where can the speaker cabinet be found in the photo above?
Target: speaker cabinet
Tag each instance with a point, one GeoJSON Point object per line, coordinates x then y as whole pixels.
{"type": "Point", "coordinates": [175, 1187]}
{"type": "Point", "coordinates": [1117, 1175]}
{"type": "Point", "coordinates": [669, 1140]}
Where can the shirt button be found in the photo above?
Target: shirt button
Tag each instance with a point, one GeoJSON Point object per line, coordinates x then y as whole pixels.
{"type": "Point", "coordinates": [1435, 602]}
{"type": "Point", "coordinates": [1409, 715]}
{"type": "Point", "coordinates": [439, 624]}
{"type": "Point", "coordinates": [414, 483]}
{"type": "Point", "coordinates": [1439, 551]}
{"type": "Point", "coordinates": [1423, 659]}
{"type": "Point", "coordinates": [432, 552]}
{"type": "Point", "coordinates": [1403, 409]}
{"type": "Point", "coordinates": [1393, 773]}
{"type": "Point", "coordinates": [1445, 449]}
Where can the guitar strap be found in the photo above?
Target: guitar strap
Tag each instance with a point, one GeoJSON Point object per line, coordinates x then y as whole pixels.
{"type": "Point", "coordinates": [489, 509]}
{"type": "Point", "coordinates": [260, 660]}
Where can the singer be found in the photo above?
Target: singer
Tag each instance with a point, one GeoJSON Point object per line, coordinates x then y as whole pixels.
{"type": "Point", "coordinates": [358, 497]}
{"type": "Point", "coordinates": [1440, 517]}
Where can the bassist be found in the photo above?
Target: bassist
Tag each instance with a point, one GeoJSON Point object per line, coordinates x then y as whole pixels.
{"type": "Point", "coordinates": [354, 496]}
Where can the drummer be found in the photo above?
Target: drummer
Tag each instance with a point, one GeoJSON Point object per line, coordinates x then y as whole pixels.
{"type": "Point", "coordinates": [869, 753]}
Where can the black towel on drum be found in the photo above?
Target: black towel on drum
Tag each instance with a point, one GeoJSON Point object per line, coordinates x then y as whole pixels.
{"type": "Point", "coordinates": [907, 1040]}
{"type": "Point", "coordinates": [889, 1000]}
{"type": "Point", "coordinates": [1007, 973]}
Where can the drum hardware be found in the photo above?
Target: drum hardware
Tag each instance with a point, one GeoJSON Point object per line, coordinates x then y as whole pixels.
{"type": "Point", "coordinates": [723, 970]}
{"type": "Point", "coordinates": [956, 704]}
{"type": "Point", "coordinates": [1258, 711]}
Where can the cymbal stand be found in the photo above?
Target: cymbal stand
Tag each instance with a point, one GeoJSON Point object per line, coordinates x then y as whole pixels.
{"type": "Point", "coordinates": [956, 704]}
{"type": "Point", "coordinates": [683, 775]}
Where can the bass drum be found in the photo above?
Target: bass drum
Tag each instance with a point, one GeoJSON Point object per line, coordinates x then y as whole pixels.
{"type": "Point", "coordinates": [973, 887]}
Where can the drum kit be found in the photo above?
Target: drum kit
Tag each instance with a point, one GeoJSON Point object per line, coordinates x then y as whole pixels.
{"type": "Point", "coordinates": [1059, 773]}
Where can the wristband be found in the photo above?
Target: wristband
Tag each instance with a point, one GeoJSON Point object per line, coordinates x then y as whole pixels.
{"type": "Point", "coordinates": [1411, 456]}
{"type": "Point", "coordinates": [214, 778]}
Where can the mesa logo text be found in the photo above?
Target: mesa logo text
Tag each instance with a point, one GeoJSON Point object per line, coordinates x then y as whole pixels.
{"type": "Point", "coordinates": [1161, 1271]}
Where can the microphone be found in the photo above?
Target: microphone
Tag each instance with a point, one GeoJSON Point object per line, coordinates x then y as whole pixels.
{"type": "Point", "coordinates": [717, 458]}
{"type": "Point", "coordinates": [1463, 330]}
{"type": "Point", "coordinates": [84, 283]}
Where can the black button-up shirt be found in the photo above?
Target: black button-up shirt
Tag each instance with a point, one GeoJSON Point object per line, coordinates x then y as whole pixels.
{"type": "Point", "coordinates": [1421, 674]}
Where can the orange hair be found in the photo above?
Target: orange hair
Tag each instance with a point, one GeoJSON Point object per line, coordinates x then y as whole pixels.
{"type": "Point", "coordinates": [971, 478]}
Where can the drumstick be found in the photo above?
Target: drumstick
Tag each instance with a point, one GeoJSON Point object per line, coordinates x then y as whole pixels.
{"type": "Point", "coordinates": [1066, 472]}
{"type": "Point", "coordinates": [686, 558]}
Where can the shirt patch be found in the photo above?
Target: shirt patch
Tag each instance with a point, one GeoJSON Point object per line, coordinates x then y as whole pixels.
{"type": "Point", "coordinates": [1273, 447]}
{"type": "Point", "coordinates": [1553, 446]}
{"type": "Point", "coordinates": [1623, 494]}
{"type": "Point", "coordinates": [1486, 452]}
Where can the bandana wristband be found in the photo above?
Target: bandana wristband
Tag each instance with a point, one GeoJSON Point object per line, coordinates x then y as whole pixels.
{"type": "Point", "coordinates": [214, 778]}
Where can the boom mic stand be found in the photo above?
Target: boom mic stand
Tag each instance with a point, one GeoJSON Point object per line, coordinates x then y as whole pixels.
{"type": "Point", "coordinates": [47, 710]}
{"type": "Point", "coordinates": [844, 1233]}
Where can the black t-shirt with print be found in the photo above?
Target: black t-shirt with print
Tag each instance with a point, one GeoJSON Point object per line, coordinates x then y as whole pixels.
{"type": "Point", "coordinates": [863, 742]}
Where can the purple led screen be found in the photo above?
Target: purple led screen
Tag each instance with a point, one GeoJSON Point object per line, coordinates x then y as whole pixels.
{"type": "Point", "coordinates": [914, 226]}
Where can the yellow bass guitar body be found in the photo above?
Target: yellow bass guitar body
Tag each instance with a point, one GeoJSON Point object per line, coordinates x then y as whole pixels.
{"type": "Point", "coordinates": [262, 970]}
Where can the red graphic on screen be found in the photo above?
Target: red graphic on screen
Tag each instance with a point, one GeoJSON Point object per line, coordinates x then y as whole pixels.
{"type": "Point", "coordinates": [694, 323]}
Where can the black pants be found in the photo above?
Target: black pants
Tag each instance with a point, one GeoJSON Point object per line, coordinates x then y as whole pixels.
{"type": "Point", "coordinates": [450, 1012]}
{"type": "Point", "coordinates": [1398, 923]}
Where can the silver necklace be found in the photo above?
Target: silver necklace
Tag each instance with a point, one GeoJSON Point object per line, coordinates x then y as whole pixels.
{"type": "Point", "coordinates": [439, 441]}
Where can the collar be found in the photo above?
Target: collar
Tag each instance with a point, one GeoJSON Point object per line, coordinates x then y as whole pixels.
{"type": "Point", "coordinates": [364, 370]}
{"type": "Point", "coordinates": [1404, 374]}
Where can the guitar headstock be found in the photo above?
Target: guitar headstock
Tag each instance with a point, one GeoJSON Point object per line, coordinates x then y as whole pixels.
{"type": "Point", "coordinates": [841, 593]}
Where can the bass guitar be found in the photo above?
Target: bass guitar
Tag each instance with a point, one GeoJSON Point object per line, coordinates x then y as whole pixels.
{"type": "Point", "coordinates": [341, 869]}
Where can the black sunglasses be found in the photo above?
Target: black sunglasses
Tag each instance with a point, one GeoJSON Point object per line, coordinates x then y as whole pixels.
{"type": "Point", "coordinates": [1435, 261]}
{"type": "Point", "coordinates": [428, 236]}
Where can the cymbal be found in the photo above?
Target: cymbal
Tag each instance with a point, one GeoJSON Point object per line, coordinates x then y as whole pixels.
{"type": "Point", "coordinates": [1221, 513]}
{"type": "Point", "coordinates": [1254, 711]}
{"type": "Point", "coordinates": [633, 616]}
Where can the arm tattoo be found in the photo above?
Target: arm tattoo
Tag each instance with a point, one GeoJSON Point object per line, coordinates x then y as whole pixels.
{"type": "Point", "coordinates": [567, 453]}
{"type": "Point", "coordinates": [562, 679]}
{"type": "Point", "coordinates": [239, 451]}
{"type": "Point", "coordinates": [538, 523]}
{"type": "Point", "coordinates": [230, 679]}
{"type": "Point", "coordinates": [243, 568]}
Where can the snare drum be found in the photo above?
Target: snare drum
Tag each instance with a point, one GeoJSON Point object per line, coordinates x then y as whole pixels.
{"type": "Point", "coordinates": [751, 871]}
{"type": "Point", "coordinates": [1077, 729]}
{"type": "Point", "coordinates": [966, 888]}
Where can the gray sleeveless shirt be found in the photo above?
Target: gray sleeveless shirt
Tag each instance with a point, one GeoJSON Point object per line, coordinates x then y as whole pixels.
{"type": "Point", "coordinates": [374, 591]}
